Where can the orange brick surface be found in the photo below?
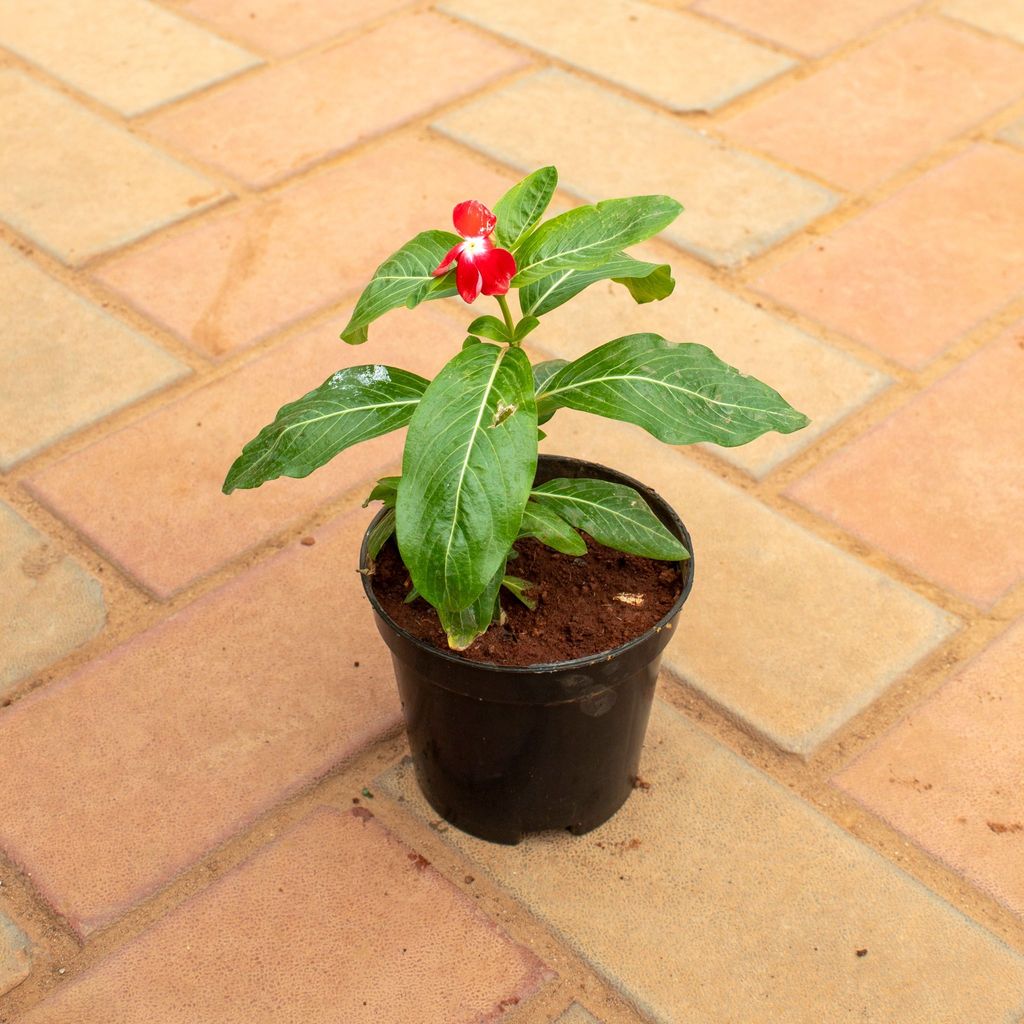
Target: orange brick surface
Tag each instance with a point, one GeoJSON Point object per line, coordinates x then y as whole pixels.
{"type": "Point", "coordinates": [235, 279]}
{"type": "Point", "coordinates": [193, 695]}
{"type": "Point", "coordinates": [951, 463]}
{"type": "Point", "coordinates": [877, 278]}
{"type": "Point", "coordinates": [326, 102]}
{"type": "Point", "coordinates": [877, 110]}
{"type": "Point", "coordinates": [266, 701]}
{"type": "Point", "coordinates": [335, 921]}
{"type": "Point", "coordinates": [948, 774]}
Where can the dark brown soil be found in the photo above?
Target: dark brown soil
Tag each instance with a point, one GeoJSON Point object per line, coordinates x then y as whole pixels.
{"type": "Point", "coordinates": [585, 605]}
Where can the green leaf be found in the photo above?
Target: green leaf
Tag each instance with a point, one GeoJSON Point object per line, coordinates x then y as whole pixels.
{"type": "Point", "coordinates": [385, 490]}
{"type": "Point", "coordinates": [526, 326]}
{"type": "Point", "coordinates": [653, 287]}
{"type": "Point", "coordinates": [613, 514]}
{"type": "Point", "coordinates": [520, 589]}
{"type": "Point", "coordinates": [411, 596]}
{"type": "Point", "coordinates": [404, 279]}
{"type": "Point", "coordinates": [465, 625]}
{"type": "Point", "coordinates": [645, 281]}
{"type": "Point", "coordinates": [523, 205]}
{"type": "Point", "coordinates": [680, 393]}
{"type": "Point", "coordinates": [489, 327]}
{"type": "Point", "coordinates": [551, 529]}
{"type": "Point", "coordinates": [470, 457]}
{"type": "Point", "coordinates": [590, 235]}
{"type": "Point", "coordinates": [353, 405]}
{"type": "Point", "coordinates": [542, 372]}
{"type": "Point", "coordinates": [378, 536]}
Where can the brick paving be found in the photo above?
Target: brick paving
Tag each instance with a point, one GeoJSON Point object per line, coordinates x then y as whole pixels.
{"type": "Point", "coordinates": [206, 815]}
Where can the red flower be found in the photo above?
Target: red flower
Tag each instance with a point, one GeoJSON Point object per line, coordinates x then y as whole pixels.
{"type": "Point", "coordinates": [480, 267]}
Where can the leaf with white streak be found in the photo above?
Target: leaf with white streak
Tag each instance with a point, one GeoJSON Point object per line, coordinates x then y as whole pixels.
{"type": "Point", "coordinates": [551, 529]}
{"type": "Point", "coordinates": [646, 282]}
{"type": "Point", "coordinates": [588, 236]}
{"type": "Point", "coordinates": [405, 278]}
{"type": "Point", "coordinates": [523, 205]}
{"type": "Point", "coordinates": [355, 404]}
{"type": "Point", "coordinates": [681, 393]}
{"type": "Point", "coordinates": [613, 514]}
{"type": "Point", "coordinates": [470, 457]}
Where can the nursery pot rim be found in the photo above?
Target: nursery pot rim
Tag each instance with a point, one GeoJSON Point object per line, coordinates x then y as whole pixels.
{"type": "Point", "coordinates": [551, 667]}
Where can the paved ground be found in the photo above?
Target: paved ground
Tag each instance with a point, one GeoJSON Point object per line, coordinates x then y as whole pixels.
{"type": "Point", "coordinates": [196, 711]}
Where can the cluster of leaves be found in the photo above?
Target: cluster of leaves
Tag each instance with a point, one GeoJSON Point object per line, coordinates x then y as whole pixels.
{"type": "Point", "coordinates": [466, 492]}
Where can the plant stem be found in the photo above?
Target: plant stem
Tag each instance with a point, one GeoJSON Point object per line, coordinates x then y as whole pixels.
{"type": "Point", "coordinates": [507, 314]}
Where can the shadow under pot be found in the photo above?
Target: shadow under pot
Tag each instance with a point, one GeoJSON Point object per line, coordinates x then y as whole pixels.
{"type": "Point", "coordinates": [502, 751]}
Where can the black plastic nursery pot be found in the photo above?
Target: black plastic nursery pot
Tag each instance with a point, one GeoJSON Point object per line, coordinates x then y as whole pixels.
{"type": "Point", "coordinates": [502, 751]}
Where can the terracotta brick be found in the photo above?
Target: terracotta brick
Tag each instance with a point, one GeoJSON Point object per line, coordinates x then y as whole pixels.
{"type": "Point", "coordinates": [128, 54]}
{"type": "Point", "coordinates": [187, 733]}
{"type": "Point", "coordinates": [48, 604]}
{"type": "Point", "coordinates": [814, 377]}
{"type": "Point", "coordinates": [235, 279]}
{"type": "Point", "coordinates": [1014, 133]}
{"type": "Point", "coordinates": [576, 1014]}
{"type": "Point", "coordinates": [67, 362]}
{"type": "Point", "coordinates": [786, 633]}
{"type": "Point", "coordinates": [149, 496]}
{"type": "Point", "coordinates": [679, 61]}
{"type": "Point", "coordinates": [76, 184]}
{"type": "Point", "coordinates": [736, 205]}
{"type": "Point", "coordinates": [886, 105]}
{"type": "Point", "coordinates": [280, 27]}
{"type": "Point", "coordinates": [336, 920]}
{"type": "Point", "coordinates": [956, 232]}
{"type": "Point", "coordinates": [1000, 17]}
{"type": "Point", "coordinates": [718, 895]}
{"type": "Point", "coordinates": [15, 955]}
{"type": "Point", "coordinates": [321, 104]}
{"type": "Point", "coordinates": [948, 775]}
{"type": "Point", "coordinates": [794, 24]}
{"type": "Point", "coordinates": [951, 462]}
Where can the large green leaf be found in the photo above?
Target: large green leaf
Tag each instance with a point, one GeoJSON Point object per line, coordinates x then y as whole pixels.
{"type": "Point", "coordinates": [466, 624]}
{"type": "Point", "coordinates": [590, 235]}
{"type": "Point", "coordinates": [551, 529]}
{"type": "Point", "coordinates": [404, 279]}
{"type": "Point", "coordinates": [680, 393]}
{"type": "Point", "coordinates": [470, 456]}
{"type": "Point", "coordinates": [523, 205]}
{"type": "Point", "coordinates": [353, 405]}
{"type": "Point", "coordinates": [613, 514]}
{"type": "Point", "coordinates": [645, 281]}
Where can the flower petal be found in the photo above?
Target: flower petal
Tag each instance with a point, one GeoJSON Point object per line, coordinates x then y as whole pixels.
{"type": "Point", "coordinates": [445, 264]}
{"type": "Point", "coordinates": [468, 279]}
{"type": "Point", "coordinates": [497, 268]}
{"type": "Point", "coordinates": [473, 218]}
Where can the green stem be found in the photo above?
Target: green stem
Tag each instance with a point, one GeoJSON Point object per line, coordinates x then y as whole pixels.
{"type": "Point", "coordinates": [507, 314]}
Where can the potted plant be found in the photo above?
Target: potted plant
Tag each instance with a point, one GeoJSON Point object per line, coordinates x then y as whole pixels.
{"type": "Point", "coordinates": [487, 566]}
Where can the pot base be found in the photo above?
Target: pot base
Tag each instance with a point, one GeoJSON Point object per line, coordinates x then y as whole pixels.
{"type": "Point", "coordinates": [502, 773]}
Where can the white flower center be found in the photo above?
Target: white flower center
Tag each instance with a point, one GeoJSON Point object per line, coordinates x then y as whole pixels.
{"type": "Point", "coordinates": [474, 246]}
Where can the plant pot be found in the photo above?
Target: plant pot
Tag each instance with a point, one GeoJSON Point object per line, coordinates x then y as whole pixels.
{"type": "Point", "coordinates": [501, 751]}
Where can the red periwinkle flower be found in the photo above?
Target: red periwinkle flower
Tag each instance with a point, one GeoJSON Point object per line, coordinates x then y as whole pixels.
{"type": "Point", "coordinates": [480, 266]}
